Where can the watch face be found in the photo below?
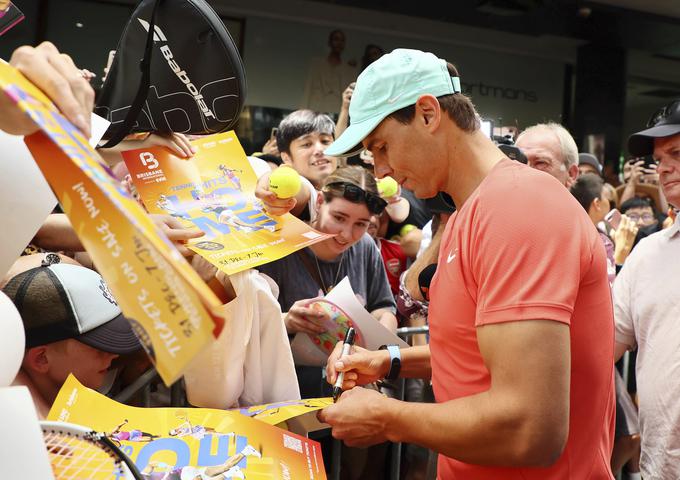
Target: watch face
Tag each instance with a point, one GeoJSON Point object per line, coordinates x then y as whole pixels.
{"type": "Point", "coordinates": [336, 327]}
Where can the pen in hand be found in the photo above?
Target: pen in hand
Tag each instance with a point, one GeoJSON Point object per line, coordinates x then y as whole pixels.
{"type": "Point", "coordinates": [346, 345]}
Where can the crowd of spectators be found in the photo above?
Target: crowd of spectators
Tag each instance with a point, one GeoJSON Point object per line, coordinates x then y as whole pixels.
{"type": "Point", "coordinates": [384, 245]}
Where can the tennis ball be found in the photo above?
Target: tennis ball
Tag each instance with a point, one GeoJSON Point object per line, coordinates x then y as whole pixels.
{"type": "Point", "coordinates": [285, 182]}
{"type": "Point", "coordinates": [387, 187]}
{"type": "Point", "coordinates": [406, 229]}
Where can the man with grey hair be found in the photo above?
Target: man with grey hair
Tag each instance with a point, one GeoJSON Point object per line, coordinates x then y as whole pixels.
{"type": "Point", "coordinates": [551, 148]}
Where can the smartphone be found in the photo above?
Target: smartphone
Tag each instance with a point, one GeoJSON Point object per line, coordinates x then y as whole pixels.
{"type": "Point", "coordinates": [613, 218]}
{"type": "Point", "coordinates": [648, 160]}
{"type": "Point", "coordinates": [275, 130]}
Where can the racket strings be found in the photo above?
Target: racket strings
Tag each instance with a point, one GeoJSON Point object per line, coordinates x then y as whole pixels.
{"type": "Point", "coordinates": [74, 458]}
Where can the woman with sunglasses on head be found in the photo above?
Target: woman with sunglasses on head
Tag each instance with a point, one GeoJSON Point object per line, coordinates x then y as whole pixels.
{"type": "Point", "coordinates": [344, 205]}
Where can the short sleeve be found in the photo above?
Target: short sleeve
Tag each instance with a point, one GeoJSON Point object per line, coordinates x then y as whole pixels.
{"type": "Point", "coordinates": [259, 166]}
{"type": "Point", "coordinates": [624, 329]}
{"type": "Point", "coordinates": [529, 247]}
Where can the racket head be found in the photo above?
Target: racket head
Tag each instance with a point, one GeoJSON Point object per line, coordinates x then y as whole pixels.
{"type": "Point", "coordinates": [78, 452]}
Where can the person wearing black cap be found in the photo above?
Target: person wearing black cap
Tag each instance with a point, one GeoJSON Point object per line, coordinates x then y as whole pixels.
{"type": "Point", "coordinates": [72, 324]}
{"type": "Point", "coordinates": [646, 308]}
{"type": "Point", "coordinates": [588, 163]}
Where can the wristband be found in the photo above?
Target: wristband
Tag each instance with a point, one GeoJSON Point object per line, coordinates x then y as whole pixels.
{"type": "Point", "coordinates": [395, 361]}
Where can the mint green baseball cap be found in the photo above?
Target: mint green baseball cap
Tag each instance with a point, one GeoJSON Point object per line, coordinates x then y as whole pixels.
{"type": "Point", "coordinates": [392, 82]}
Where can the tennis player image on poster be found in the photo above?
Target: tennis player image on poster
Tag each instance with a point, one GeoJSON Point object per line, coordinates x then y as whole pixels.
{"type": "Point", "coordinates": [215, 192]}
{"type": "Point", "coordinates": [192, 443]}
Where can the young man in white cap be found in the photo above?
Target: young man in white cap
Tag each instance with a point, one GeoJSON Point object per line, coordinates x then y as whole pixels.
{"type": "Point", "coordinates": [521, 331]}
{"type": "Point", "coordinates": [72, 324]}
{"type": "Point", "coordinates": [646, 307]}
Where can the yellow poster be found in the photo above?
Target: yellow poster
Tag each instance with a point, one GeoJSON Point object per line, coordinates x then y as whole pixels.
{"type": "Point", "coordinates": [192, 443]}
{"type": "Point", "coordinates": [214, 191]}
{"type": "Point", "coordinates": [171, 309]}
{"type": "Point", "coordinates": [298, 416]}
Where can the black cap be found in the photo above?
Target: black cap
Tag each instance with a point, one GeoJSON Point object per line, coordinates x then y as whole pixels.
{"type": "Point", "coordinates": [590, 159]}
{"type": "Point", "coordinates": [664, 123]}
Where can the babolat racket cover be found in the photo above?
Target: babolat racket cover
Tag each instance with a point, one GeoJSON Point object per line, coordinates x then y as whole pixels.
{"type": "Point", "coordinates": [176, 69]}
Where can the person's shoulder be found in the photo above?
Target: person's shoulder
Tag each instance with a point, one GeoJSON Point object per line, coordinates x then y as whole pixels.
{"type": "Point", "coordinates": [280, 265]}
{"type": "Point", "coordinates": [515, 187]}
{"type": "Point", "coordinates": [510, 176]}
{"type": "Point", "coordinates": [366, 244]}
{"type": "Point", "coordinates": [649, 247]}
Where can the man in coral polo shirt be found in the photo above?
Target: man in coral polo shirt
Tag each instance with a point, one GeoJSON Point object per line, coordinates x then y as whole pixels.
{"type": "Point", "coordinates": [521, 324]}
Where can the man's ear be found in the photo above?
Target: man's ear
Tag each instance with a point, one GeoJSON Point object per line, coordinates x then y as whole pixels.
{"type": "Point", "coordinates": [286, 158]}
{"type": "Point", "coordinates": [595, 205]}
{"type": "Point", "coordinates": [36, 359]}
{"type": "Point", "coordinates": [319, 201]}
{"type": "Point", "coordinates": [573, 173]}
{"type": "Point", "coordinates": [428, 111]}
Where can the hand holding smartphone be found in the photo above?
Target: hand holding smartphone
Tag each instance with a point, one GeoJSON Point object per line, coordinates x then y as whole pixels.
{"type": "Point", "coordinates": [613, 218]}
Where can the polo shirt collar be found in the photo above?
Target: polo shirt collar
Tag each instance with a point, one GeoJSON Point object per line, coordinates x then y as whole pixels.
{"type": "Point", "coordinates": [674, 229]}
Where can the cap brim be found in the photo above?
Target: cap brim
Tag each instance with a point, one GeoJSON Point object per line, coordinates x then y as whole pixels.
{"type": "Point", "coordinates": [349, 142]}
{"type": "Point", "coordinates": [652, 191]}
{"type": "Point", "coordinates": [642, 143]}
{"type": "Point", "coordinates": [115, 336]}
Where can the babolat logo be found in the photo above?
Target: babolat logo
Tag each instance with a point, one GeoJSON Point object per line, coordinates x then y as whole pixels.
{"type": "Point", "coordinates": [159, 36]}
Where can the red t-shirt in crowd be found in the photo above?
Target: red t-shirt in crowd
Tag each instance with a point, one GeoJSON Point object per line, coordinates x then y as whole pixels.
{"type": "Point", "coordinates": [522, 248]}
{"type": "Point", "coordinates": [394, 259]}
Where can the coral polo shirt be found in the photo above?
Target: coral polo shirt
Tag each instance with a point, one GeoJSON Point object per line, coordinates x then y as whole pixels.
{"type": "Point", "coordinates": [522, 248]}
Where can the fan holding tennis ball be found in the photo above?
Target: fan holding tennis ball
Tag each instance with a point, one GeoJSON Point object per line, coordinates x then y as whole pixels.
{"type": "Point", "coordinates": [285, 182]}
{"type": "Point", "coordinates": [387, 187]}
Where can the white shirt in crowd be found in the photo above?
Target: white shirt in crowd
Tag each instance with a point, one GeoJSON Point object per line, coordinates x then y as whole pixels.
{"type": "Point", "coordinates": [647, 316]}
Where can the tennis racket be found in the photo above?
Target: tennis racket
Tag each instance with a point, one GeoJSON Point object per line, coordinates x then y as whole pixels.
{"type": "Point", "coordinates": [78, 452]}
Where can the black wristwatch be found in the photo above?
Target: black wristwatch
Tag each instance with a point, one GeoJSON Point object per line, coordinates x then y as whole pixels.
{"type": "Point", "coordinates": [395, 361]}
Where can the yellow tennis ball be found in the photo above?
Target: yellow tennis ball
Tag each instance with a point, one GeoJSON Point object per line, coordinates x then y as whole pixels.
{"type": "Point", "coordinates": [387, 187]}
{"type": "Point", "coordinates": [406, 229]}
{"type": "Point", "coordinates": [285, 182]}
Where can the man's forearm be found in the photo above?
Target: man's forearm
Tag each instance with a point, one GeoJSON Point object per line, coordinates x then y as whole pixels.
{"type": "Point", "coordinates": [302, 197]}
{"type": "Point", "coordinates": [470, 429]}
{"type": "Point", "coordinates": [415, 362]}
{"type": "Point", "coordinates": [628, 192]}
{"type": "Point", "coordinates": [343, 121]}
{"type": "Point", "coordinates": [57, 233]}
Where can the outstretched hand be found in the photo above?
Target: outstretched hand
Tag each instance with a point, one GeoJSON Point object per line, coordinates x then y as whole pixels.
{"type": "Point", "coordinates": [177, 233]}
{"type": "Point", "coordinates": [57, 76]}
{"type": "Point", "coordinates": [272, 204]}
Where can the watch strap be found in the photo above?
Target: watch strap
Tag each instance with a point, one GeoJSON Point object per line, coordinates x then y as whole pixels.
{"type": "Point", "coordinates": [395, 361]}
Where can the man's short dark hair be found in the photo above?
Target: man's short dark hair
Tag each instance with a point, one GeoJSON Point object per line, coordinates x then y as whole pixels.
{"type": "Point", "coordinates": [636, 202]}
{"type": "Point", "coordinates": [458, 106]}
{"type": "Point", "coordinates": [299, 123]}
{"type": "Point", "coordinates": [587, 188]}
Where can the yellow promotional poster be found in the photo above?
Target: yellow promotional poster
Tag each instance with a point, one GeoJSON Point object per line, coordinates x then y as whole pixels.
{"type": "Point", "coordinates": [192, 443]}
{"type": "Point", "coordinates": [215, 192]}
{"type": "Point", "coordinates": [172, 310]}
{"type": "Point", "coordinates": [298, 416]}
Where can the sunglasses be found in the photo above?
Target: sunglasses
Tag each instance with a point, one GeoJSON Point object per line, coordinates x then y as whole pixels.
{"type": "Point", "coordinates": [664, 112]}
{"type": "Point", "coordinates": [355, 194]}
